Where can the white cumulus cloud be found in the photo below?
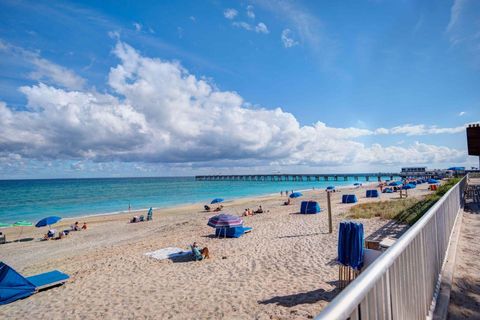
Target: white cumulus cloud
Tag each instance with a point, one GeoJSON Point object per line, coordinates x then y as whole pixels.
{"type": "Point", "coordinates": [230, 13]}
{"type": "Point", "coordinates": [287, 39]}
{"type": "Point", "coordinates": [158, 112]}
{"type": "Point", "coordinates": [250, 12]}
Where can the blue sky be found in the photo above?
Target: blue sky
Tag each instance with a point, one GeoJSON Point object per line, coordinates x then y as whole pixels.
{"type": "Point", "coordinates": [178, 88]}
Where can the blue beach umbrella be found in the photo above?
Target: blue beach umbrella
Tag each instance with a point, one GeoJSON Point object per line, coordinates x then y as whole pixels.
{"type": "Point", "coordinates": [296, 195]}
{"type": "Point", "coordinates": [395, 183]}
{"type": "Point", "coordinates": [357, 184]}
{"type": "Point", "coordinates": [331, 188]}
{"type": "Point", "coordinates": [408, 186]}
{"type": "Point", "coordinates": [432, 181]}
{"type": "Point", "coordinates": [47, 221]}
{"type": "Point", "coordinates": [216, 200]}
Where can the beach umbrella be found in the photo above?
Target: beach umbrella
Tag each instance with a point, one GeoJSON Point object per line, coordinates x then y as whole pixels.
{"type": "Point", "coordinates": [296, 195]}
{"type": "Point", "coordinates": [408, 186]}
{"type": "Point", "coordinates": [225, 221]}
{"type": "Point", "coordinates": [432, 181]}
{"type": "Point", "coordinates": [47, 221]}
{"type": "Point", "coordinates": [5, 225]}
{"type": "Point", "coordinates": [395, 183]}
{"type": "Point", "coordinates": [216, 200]}
{"type": "Point", "coordinates": [357, 184]}
{"type": "Point", "coordinates": [331, 188]}
{"type": "Point", "coordinates": [22, 224]}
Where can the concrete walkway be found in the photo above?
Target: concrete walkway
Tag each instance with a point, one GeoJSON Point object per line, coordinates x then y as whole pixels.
{"type": "Point", "coordinates": [465, 295]}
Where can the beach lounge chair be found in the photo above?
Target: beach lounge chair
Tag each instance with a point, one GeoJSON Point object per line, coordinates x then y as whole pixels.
{"type": "Point", "coordinates": [14, 286]}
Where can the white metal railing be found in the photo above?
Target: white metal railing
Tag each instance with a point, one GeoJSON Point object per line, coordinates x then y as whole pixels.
{"type": "Point", "coordinates": [403, 282]}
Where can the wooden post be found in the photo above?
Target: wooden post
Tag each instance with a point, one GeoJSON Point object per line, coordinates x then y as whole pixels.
{"type": "Point", "coordinates": [330, 227]}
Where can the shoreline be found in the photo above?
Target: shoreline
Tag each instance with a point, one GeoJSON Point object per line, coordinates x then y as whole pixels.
{"type": "Point", "coordinates": [200, 204]}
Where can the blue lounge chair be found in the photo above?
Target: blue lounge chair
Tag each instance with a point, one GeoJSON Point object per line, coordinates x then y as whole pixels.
{"type": "Point", "coordinates": [14, 286]}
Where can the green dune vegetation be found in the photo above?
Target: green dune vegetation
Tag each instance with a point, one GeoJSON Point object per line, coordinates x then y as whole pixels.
{"type": "Point", "coordinates": [407, 210]}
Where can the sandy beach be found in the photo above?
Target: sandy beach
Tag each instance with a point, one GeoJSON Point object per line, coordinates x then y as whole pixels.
{"type": "Point", "coordinates": [284, 269]}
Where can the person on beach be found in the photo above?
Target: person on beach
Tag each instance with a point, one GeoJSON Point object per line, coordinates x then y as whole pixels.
{"type": "Point", "coordinates": [50, 234]}
{"type": "Point", "coordinates": [259, 210]}
{"type": "Point", "coordinates": [286, 193]}
{"type": "Point", "coordinates": [75, 226]}
{"type": "Point", "coordinates": [281, 193]}
{"type": "Point", "coordinates": [84, 227]}
{"type": "Point", "coordinates": [200, 254]}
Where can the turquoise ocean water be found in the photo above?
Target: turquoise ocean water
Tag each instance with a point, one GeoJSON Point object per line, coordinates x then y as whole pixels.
{"type": "Point", "coordinates": [34, 199]}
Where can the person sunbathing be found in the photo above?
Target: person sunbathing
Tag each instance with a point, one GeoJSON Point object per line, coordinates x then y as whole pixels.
{"type": "Point", "coordinates": [286, 203]}
{"type": "Point", "coordinates": [219, 208]}
{"type": "Point", "coordinates": [61, 235]}
{"type": "Point", "coordinates": [259, 210]}
{"type": "Point", "coordinates": [199, 254]}
{"type": "Point", "coordinates": [75, 227]}
{"type": "Point", "coordinates": [207, 208]}
{"type": "Point", "coordinates": [50, 234]}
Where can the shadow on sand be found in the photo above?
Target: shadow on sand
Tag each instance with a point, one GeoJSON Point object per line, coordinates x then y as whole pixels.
{"type": "Point", "coordinates": [308, 297]}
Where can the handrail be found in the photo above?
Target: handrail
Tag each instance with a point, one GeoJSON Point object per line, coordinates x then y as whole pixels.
{"type": "Point", "coordinates": [342, 306]}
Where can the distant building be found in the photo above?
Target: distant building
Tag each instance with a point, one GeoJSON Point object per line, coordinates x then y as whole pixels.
{"type": "Point", "coordinates": [413, 171]}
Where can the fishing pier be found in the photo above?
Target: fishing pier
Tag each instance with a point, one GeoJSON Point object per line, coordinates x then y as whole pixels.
{"type": "Point", "coordinates": [300, 177]}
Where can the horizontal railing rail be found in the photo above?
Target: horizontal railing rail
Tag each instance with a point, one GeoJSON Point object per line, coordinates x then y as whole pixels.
{"type": "Point", "coordinates": [402, 282]}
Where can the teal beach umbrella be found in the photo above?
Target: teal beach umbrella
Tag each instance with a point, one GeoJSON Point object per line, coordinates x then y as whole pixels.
{"type": "Point", "coordinates": [22, 224]}
{"type": "Point", "coordinates": [5, 225]}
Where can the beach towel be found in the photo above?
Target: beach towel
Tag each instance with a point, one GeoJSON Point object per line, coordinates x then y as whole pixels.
{"type": "Point", "coordinates": [167, 253]}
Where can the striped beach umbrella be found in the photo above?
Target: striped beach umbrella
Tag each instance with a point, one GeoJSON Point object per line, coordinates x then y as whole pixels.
{"type": "Point", "coordinates": [225, 221]}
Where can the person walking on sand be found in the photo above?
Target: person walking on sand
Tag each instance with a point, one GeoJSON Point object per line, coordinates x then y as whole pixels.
{"type": "Point", "coordinates": [129, 207]}
{"type": "Point", "coordinates": [281, 193]}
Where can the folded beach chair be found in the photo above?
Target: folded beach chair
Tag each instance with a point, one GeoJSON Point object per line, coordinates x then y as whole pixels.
{"type": "Point", "coordinates": [14, 286]}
